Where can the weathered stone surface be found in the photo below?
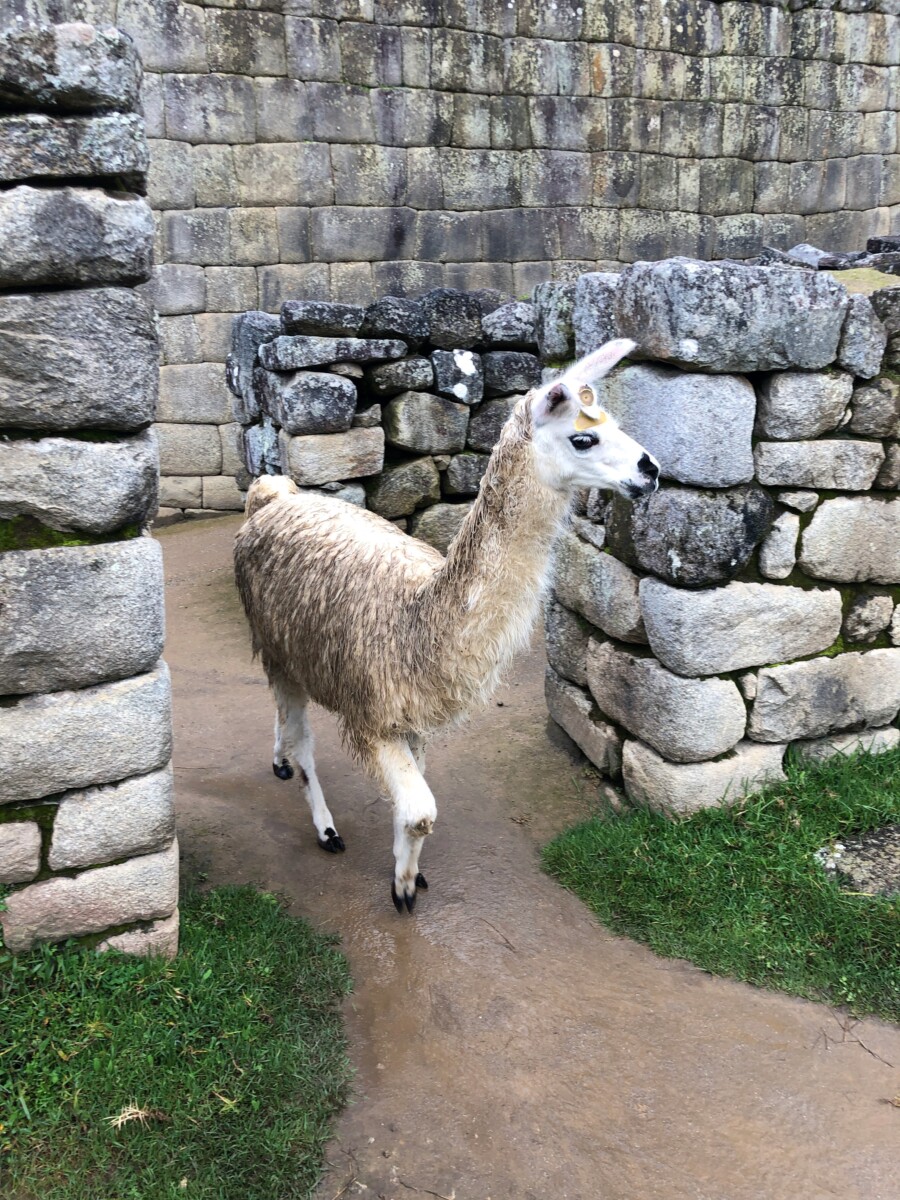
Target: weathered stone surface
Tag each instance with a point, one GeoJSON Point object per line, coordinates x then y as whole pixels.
{"type": "Point", "coordinates": [464, 474]}
{"type": "Point", "coordinates": [98, 735]}
{"type": "Point", "coordinates": [486, 423]}
{"type": "Point", "coordinates": [802, 404]}
{"type": "Point", "coordinates": [853, 539]}
{"type": "Point", "coordinates": [248, 332]}
{"type": "Point", "coordinates": [100, 825]}
{"type": "Point", "coordinates": [868, 615]}
{"type": "Point", "coordinates": [193, 394]}
{"type": "Point", "coordinates": [566, 636]}
{"type": "Point", "coordinates": [157, 937]}
{"type": "Point", "coordinates": [724, 317]}
{"type": "Point", "coordinates": [863, 339]}
{"type": "Point", "coordinates": [799, 501]}
{"type": "Point", "coordinates": [679, 789]}
{"type": "Point", "coordinates": [407, 375]}
{"type": "Point", "coordinates": [810, 699]}
{"type": "Point", "coordinates": [320, 319]}
{"type": "Point", "coordinates": [189, 449]}
{"type": "Point", "coordinates": [835, 463]}
{"type": "Point", "coordinates": [77, 358]}
{"type": "Point", "coordinates": [439, 525]}
{"type": "Point", "coordinates": [553, 303]}
{"type": "Point", "coordinates": [876, 409]}
{"type": "Point", "coordinates": [508, 372]}
{"type": "Point", "coordinates": [73, 235]}
{"type": "Point", "coordinates": [180, 491]}
{"type": "Point", "coordinates": [698, 427]}
{"type": "Point", "coordinates": [427, 424]}
{"type": "Point", "coordinates": [742, 625]}
{"type": "Point", "coordinates": [141, 889]}
{"type": "Point", "coordinates": [599, 587]}
{"type": "Point", "coordinates": [93, 487]}
{"type": "Point", "coordinates": [686, 720]}
{"type": "Point", "coordinates": [36, 146]}
{"type": "Point", "coordinates": [454, 318]}
{"type": "Point", "coordinates": [871, 741]}
{"type": "Point", "coordinates": [399, 491]}
{"type": "Point", "coordinates": [74, 616]}
{"type": "Point", "coordinates": [222, 493]}
{"type": "Point", "coordinates": [394, 317]}
{"type": "Point", "coordinates": [458, 375]}
{"type": "Point", "coordinates": [294, 353]}
{"type": "Point", "coordinates": [573, 709]}
{"type": "Point", "coordinates": [889, 475]}
{"type": "Point", "coordinates": [895, 627]}
{"type": "Point", "coordinates": [886, 302]}
{"type": "Point", "coordinates": [511, 325]}
{"type": "Point", "coordinates": [349, 493]}
{"type": "Point", "coordinates": [260, 450]}
{"type": "Point", "coordinates": [71, 66]}
{"type": "Point", "coordinates": [322, 458]}
{"type": "Point", "coordinates": [690, 538]}
{"type": "Point", "coordinates": [593, 316]}
{"type": "Point", "coordinates": [367, 418]}
{"type": "Point", "coordinates": [20, 851]}
{"type": "Point", "coordinates": [306, 401]}
{"type": "Point", "coordinates": [778, 552]}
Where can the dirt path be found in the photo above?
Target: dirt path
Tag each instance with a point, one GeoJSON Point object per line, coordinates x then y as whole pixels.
{"type": "Point", "coordinates": [506, 1046]}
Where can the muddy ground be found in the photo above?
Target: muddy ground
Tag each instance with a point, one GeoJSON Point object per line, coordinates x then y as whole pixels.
{"type": "Point", "coordinates": [506, 1046]}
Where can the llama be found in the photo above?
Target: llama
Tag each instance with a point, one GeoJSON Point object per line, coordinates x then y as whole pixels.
{"type": "Point", "coordinates": [395, 639]}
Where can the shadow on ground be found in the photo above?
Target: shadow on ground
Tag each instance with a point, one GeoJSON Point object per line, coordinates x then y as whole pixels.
{"type": "Point", "coordinates": [506, 1046]}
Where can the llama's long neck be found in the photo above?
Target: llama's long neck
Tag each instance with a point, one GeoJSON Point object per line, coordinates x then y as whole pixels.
{"type": "Point", "coordinates": [482, 604]}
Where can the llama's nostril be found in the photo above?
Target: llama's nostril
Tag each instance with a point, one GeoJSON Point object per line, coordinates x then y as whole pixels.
{"type": "Point", "coordinates": [648, 467]}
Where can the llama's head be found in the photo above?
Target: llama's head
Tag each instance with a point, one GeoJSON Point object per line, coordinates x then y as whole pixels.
{"type": "Point", "coordinates": [578, 444]}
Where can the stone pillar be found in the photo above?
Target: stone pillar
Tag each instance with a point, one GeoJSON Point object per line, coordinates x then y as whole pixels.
{"type": "Point", "coordinates": [751, 604]}
{"type": "Point", "coordinates": [87, 839]}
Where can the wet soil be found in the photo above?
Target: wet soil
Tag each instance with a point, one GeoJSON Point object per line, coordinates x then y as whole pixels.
{"type": "Point", "coordinates": [506, 1046]}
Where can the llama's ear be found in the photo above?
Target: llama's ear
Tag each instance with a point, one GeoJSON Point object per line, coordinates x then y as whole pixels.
{"type": "Point", "coordinates": [599, 362]}
{"type": "Point", "coordinates": [555, 401]}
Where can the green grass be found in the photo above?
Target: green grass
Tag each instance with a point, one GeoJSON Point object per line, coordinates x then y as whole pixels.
{"type": "Point", "coordinates": [738, 892]}
{"type": "Point", "coordinates": [27, 533]}
{"type": "Point", "coordinates": [234, 1052]}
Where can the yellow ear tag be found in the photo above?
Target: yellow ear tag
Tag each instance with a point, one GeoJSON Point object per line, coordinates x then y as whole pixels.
{"type": "Point", "coordinates": [588, 418]}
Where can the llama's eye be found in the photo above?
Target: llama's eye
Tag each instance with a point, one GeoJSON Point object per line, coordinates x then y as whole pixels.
{"type": "Point", "coordinates": [583, 441]}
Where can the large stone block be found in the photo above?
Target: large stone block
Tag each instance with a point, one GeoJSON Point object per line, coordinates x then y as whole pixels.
{"type": "Point", "coordinates": [599, 587]}
{"type": "Point", "coordinates": [98, 734]}
{"type": "Point", "coordinates": [698, 427]}
{"type": "Point", "coordinates": [73, 235]}
{"type": "Point", "coordinates": [685, 720]}
{"type": "Point", "coordinates": [306, 401]}
{"type": "Point", "coordinates": [573, 709]}
{"type": "Point", "coordinates": [194, 394]}
{"type": "Point", "coordinates": [405, 375]}
{"type": "Point", "coordinates": [863, 339]}
{"type": "Point", "coordinates": [69, 66]}
{"type": "Point", "coordinates": [156, 938]}
{"type": "Point", "coordinates": [77, 358]}
{"type": "Point", "coordinates": [319, 318]}
{"type": "Point", "coordinates": [778, 552]}
{"type": "Point", "coordinates": [868, 615]}
{"type": "Point", "coordinates": [867, 741]}
{"type": "Point", "coordinates": [553, 304]}
{"type": "Point", "coordinates": [486, 423]}
{"type": "Point", "coordinates": [593, 314]}
{"type": "Point", "coordinates": [249, 331]}
{"type": "Point", "coordinates": [566, 636]}
{"type": "Point", "coordinates": [802, 404]}
{"type": "Point", "coordinates": [140, 889]}
{"type": "Point", "coordinates": [20, 851]}
{"type": "Point", "coordinates": [189, 449]}
{"type": "Point", "coordinates": [508, 372]}
{"type": "Point", "coordinates": [295, 353]}
{"type": "Point", "coordinates": [837, 463]}
{"type": "Point", "coordinates": [742, 625]}
{"type": "Point", "coordinates": [679, 789]}
{"type": "Point", "coordinates": [690, 538]}
{"type": "Point", "coordinates": [400, 490]}
{"type": "Point", "coordinates": [811, 699]}
{"type": "Point", "coordinates": [464, 474]}
{"type": "Point", "coordinates": [853, 539]}
{"type": "Point", "coordinates": [427, 424]}
{"type": "Point", "coordinates": [93, 487]}
{"type": "Point", "coordinates": [328, 457]}
{"type": "Point", "coordinates": [439, 524]}
{"type": "Point", "coordinates": [458, 375]}
{"type": "Point", "coordinates": [74, 616]}
{"type": "Point", "coordinates": [100, 825]}
{"type": "Point", "coordinates": [177, 288]}
{"type": "Point", "coordinates": [216, 109]}
{"type": "Point", "coordinates": [511, 325]}
{"type": "Point", "coordinates": [39, 146]}
{"type": "Point", "coordinates": [453, 318]}
{"type": "Point", "coordinates": [394, 317]}
{"type": "Point", "coordinates": [723, 317]}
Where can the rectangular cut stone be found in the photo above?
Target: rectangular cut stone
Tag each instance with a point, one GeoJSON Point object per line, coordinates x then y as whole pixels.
{"type": "Point", "coordinates": [686, 720]}
{"type": "Point", "coordinates": [837, 463]}
{"type": "Point", "coordinates": [75, 616]}
{"type": "Point", "coordinates": [100, 825]}
{"type": "Point", "coordinates": [572, 708]}
{"type": "Point", "coordinates": [77, 358]}
{"type": "Point", "coordinates": [868, 741]}
{"type": "Point", "coordinates": [40, 146]}
{"type": "Point", "coordinates": [156, 938]}
{"type": "Point", "coordinates": [678, 789]}
{"type": "Point", "coordinates": [140, 889]}
{"type": "Point", "coordinates": [811, 699]}
{"type": "Point", "coordinates": [98, 735]}
{"type": "Point", "coordinates": [194, 394]}
{"type": "Point", "coordinates": [221, 492]}
{"type": "Point", "coordinates": [853, 539]}
{"type": "Point", "coordinates": [73, 66]}
{"type": "Point", "coordinates": [425, 423]}
{"type": "Point", "coordinates": [304, 402]}
{"type": "Point", "coordinates": [593, 315]}
{"type": "Point", "coordinates": [599, 587]}
{"type": "Point", "coordinates": [802, 404]}
{"type": "Point", "coordinates": [294, 353]}
{"type": "Point", "coordinates": [566, 636]}
{"type": "Point", "coordinates": [328, 457]}
{"type": "Point", "coordinates": [20, 851]}
{"type": "Point", "coordinates": [400, 490]}
{"type": "Point", "coordinates": [189, 449]}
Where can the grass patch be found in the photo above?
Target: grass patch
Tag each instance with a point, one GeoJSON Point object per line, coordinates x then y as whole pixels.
{"type": "Point", "coordinates": [738, 892]}
{"type": "Point", "coordinates": [224, 1067]}
{"type": "Point", "coordinates": [27, 533]}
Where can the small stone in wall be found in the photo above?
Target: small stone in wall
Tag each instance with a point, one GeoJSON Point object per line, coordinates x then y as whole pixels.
{"type": "Point", "coordinates": [566, 635]}
{"type": "Point", "coordinates": [573, 709]}
{"type": "Point", "coordinates": [407, 375]}
{"type": "Point", "coordinates": [322, 458]}
{"type": "Point", "coordinates": [399, 491]}
{"type": "Point", "coordinates": [454, 318]}
{"type": "Point", "coordinates": [464, 474]}
{"type": "Point", "coordinates": [863, 339]}
{"type": "Point", "coordinates": [439, 525]}
{"type": "Point", "coordinates": [834, 463]}
{"type": "Point", "coordinates": [154, 937]}
{"type": "Point", "coordinates": [802, 404]}
{"type": "Point", "coordinates": [593, 316]}
{"type": "Point", "coordinates": [895, 627]}
{"type": "Point", "coordinates": [70, 66]}
{"type": "Point", "coordinates": [876, 409]}
{"type": "Point", "coordinates": [599, 586]}
{"type": "Point", "coordinates": [799, 501]}
{"type": "Point", "coordinates": [853, 539]}
{"type": "Point", "coordinates": [295, 353]}
{"type": "Point", "coordinates": [248, 332]}
{"type": "Point", "coordinates": [425, 423]}
{"type": "Point", "coordinates": [394, 317]}
{"type": "Point", "coordinates": [349, 370]}
{"type": "Point", "coordinates": [306, 401]}
{"type": "Point", "coordinates": [20, 851]}
{"type": "Point", "coordinates": [553, 303]}
{"type": "Point", "coordinates": [869, 614]}
{"type": "Point", "coordinates": [511, 326]}
{"type": "Point", "coordinates": [458, 375]}
{"type": "Point", "coordinates": [487, 422]}
{"type": "Point", "coordinates": [778, 552]}
{"type": "Point", "coordinates": [508, 372]}
{"type": "Point", "coordinates": [321, 319]}
{"type": "Point", "coordinates": [367, 418]}
{"type": "Point", "coordinates": [889, 475]}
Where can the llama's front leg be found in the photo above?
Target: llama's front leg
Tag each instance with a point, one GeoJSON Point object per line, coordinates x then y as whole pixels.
{"type": "Point", "coordinates": [414, 816]}
{"type": "Point", "coordinates": [294, 747]}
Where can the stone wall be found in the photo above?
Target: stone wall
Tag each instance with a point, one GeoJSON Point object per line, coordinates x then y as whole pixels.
{"type": "Point", "coordinates": [87, 839]}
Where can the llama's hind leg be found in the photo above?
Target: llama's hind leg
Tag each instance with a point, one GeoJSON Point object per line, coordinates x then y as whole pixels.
{"type": "Point", "coordinates": [394, 765]}
{"type": "Point", "coordinates": [294, 747]}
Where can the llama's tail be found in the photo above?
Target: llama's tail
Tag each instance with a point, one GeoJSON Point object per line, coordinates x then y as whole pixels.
{"type": "Point", "coordinates": [267, 488]}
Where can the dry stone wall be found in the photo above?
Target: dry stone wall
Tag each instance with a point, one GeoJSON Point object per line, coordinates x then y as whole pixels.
{"type": "Point", "coordinates": [87, 838]}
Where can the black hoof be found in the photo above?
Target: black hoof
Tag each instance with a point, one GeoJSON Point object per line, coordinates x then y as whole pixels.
{"type": "Point", "coordinates": [421, 882]}
{"type": "Point", "coordinates": [283, 770]}
{"type": "Point", "coordinates": [398, 903]}
{"type": "Point", "coordinates": [332, 842]}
